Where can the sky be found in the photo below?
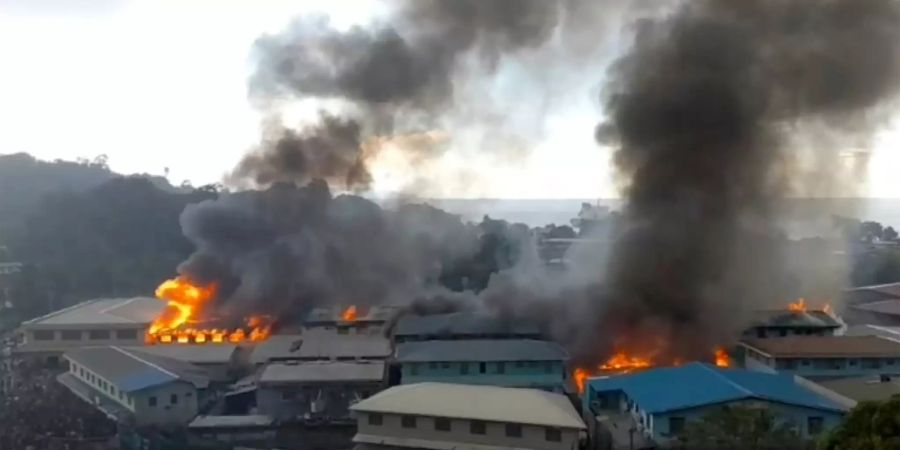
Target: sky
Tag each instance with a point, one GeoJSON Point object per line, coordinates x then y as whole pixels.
{"type": "Point", "coordinates": [160, 86]}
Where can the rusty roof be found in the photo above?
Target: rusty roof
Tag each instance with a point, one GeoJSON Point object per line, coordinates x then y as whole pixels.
{"type": "Point", "coordinates": [826, 346]}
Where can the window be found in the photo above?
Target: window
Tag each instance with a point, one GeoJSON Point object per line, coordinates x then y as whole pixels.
{"type": "Point", "coordinates": [760, 332]}
{"type": "Point", "coordinates": [782, 333]}
{"type": "Point", "coordinates": [43, 335]}
{"type": "Point", "coordinates": [112, 390]}
{"type": "Point", "coordinates": [548, 366]}
{"type": "Point", "coordinates": [126, 334]}
{"type": "Point", "coordinates": [173, 399]}
{"type": "Point", "coordinates": [121, 395]}
{"type": "Point", "coordinates": [553, 434]}
{"type": "Point", "coordinates": [343, 330]}
{"type": "Point", "coordinates": [408, 421]}
{"type": "Point", "coordinates": [815, 425]}
{"type": "Point", "coordinates": [852, 362]}
{"type": "Point", "coordinates": [287, 395]}
{"type": "Point", "coordinates": [477, 427]}
{"type": "Point", "coordinates": [464, 368]}
{"type": "Point", "coordinates": [482, 367]}
{"type": "Point", "coordinates": [433, 365]}
{"type": "Point", "coordinates": [71, 335]}
{"type": "Point", "coordinates": [676, 425]}
{"type": "Point", "coordinates": [520, 364]}
{"type": "Point", "coordinates": [189, 395]}
{"type": "Point", "coordinates": [445, 365]}
{"type": "Point", "coordinates": [151, 401]}
{"type": "Point", "coordinates": [98, 335]}
{"type": "Point", "coordinates": [871, 363]}
{"type": "Point", "coordinates": [513, 430]}
{"type": "Point", "coordinates": [414, 368]}
{"type": "Point", "coordinates": [441, 424]}
{"type": "Point", "coordinates": [501, 367]}
{"type": "Point", "coordinates": [375, 419]}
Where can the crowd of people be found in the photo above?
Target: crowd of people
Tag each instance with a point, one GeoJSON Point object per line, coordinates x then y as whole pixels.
{"type": "Point", "coordinates": [37, 412]}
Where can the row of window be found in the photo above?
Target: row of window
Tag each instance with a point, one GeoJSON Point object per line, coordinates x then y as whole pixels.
{"type": "Point", "coordinates": [825, 363]}
{"type": "Point", "coordinates": [499, 367]}
{"type": "Point", "coordinates": [76, 335]}
{"type": "Point", "coordinates": [173, 399]}
{"type": "Point", "coordinates": [477, 427]}
{"type": "Point", "coordinates": [814, 425]}
{"type": "Point", "coordinates": [101, 384]}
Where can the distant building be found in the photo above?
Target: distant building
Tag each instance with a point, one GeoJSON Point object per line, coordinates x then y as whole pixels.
{"type": "Point", "coordinates": [134, 387]}
{"type": "Point", "coordinates": [867, 388]}
{"type": "Point", "coordinates": [881, 312]}
{"type": "Point", "coordinates": [448, 416]}
{"type": "Point", "coordinates": [321, 345]}
{"type": "Point", "coordinates": [782, 322]}
{"type": "Point", "coordinates": [222, 362]}
{"type": "Point", "coordinates": [316, 391]}
{"type": "Point", "coordinates": [351, 319]}
{"type": "Point", "coordinates": [504, 362]}
{"type": "Point", "coordinates": [461, 325]}
{"type": "Point", "coordinates": [122, 322]}
{"type": "Point", "coordinates": [874, 293]}
{"type": "Point", "coordinates": [824, 357]}
{"type": "Point", "coordinates": [874, 330]}
{"type": "Point", "coordinates": [657, 403]}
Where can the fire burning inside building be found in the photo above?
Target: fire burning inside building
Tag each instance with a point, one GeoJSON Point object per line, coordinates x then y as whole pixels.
{"type": "Point", "coordinates": [182, 321]}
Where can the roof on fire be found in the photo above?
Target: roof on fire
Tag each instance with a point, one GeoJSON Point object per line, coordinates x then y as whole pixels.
{"type": "Point", "coordinates": [319, 371]}
{"type": "Point", "coordinates": [480, 350]}
{"type": "Point", "coordinates": [112, 311]}
{"type": "Point", "coordinates": [700, 384]}
{"type": "Point", "coordinates": [132, 371]}
{"type": "Point", "coordinates": [488, 403]}
{"type": "Point", "coordinates": [378, 313]}
{"type": "Point", "coordinates": [785, 318]}
{"type": "Point", "coordinates": [826, 346]}
{"type": "Point", "coordinates": [461, 323]}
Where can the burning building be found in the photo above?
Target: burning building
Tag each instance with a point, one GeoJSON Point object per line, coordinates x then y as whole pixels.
{"type": "Point", "coordinates": [797, 319]}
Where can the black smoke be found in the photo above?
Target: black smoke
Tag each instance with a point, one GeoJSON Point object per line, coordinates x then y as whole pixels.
{"type": "Point", "coordinates": [705, 110]}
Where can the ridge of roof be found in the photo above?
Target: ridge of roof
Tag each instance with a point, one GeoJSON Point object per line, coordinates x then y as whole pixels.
{"type": "Point", "coordinates": [155, 366]}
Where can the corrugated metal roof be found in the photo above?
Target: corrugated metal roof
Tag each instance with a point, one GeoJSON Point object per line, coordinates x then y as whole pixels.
{"type": "Point", "coordinates": [874, 330]}
{"type": "Point", "coordinates": [333, 346]}
{"type": "Point", "coordinates": [138, 310]}
{"type": "Point", "coordinates": [488, 403]}
{"type": "Point", "coordinates": [231, 421]}
{"type": "Point", "coordinates": [870, 388]}
{"type": "Point", "coordinates": [196, 354]}
{"type": "Point", "coordinates": [337, 372]}
{"type": "Point", "coordinates": [132, 371]}
{"type": "Point", "coordinates": [890, 307]}
{"type": "Point", "coordinates": [698, 384]}
{"type": "Point", "coordinates": [461, 323]}
{"type": "Point", "coordinates": [480, 350]}
{"type": "Point", "coordinates": [279, 346]}
{"type": "Point", "coordinates": [377, 313]}
{"type": "Point", "coordinates": [826, 346]}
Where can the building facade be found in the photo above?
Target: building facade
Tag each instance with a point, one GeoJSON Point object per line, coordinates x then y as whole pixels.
{"type": "Point", "coordinates": [507, 362]}
{"type": "Point", "coordinates": [824, 357]}
{"type": "Point", "coordinates": [460, 325]}
{"type": "Point", "coordinates": [439, 415]}
{"type": "Point", "coordinates": [783, 323]}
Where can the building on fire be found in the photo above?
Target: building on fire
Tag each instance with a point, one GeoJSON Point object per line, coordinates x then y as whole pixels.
{"type": "Point", "coordinates": [448, 416]}
{"type": "Point", "coordinates": [505, 362]}
{"type": "Point", "coordinates": [371, 320]}
{"type": "Point", "coordinates": [134, 387]}
{"type": "Point", "coordinates": [461, 325]}
{"type": "Point", "coordinates": [784, 322]}
{"type": "Point", "coordinates": [657, 403]}
{"type": "Point", "coordinates": [122, 321]}
{"type": "Point", "coordinates": [318, 391]}
{"type": "Point", "coordinates": [819, 357]}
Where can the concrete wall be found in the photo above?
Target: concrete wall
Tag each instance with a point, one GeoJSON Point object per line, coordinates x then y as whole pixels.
{"type": "Point", "coordinates": [533, 437]}
{"type": "Point", "coordinates": [822, 368]}
{"type": "Point", "coordinates": [548, 375]}
{"type": "Point", "coordinates": [166, 412]}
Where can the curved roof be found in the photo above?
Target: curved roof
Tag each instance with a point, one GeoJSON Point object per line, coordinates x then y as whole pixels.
{"type": "Point", "coordinates": [698, 384]}
{"type": "Point", "coordinates": [487, 403]}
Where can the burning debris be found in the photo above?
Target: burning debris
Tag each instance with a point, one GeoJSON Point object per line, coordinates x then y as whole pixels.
{"type": "Point", "coordinates": [186, 307]}
{"type": "Point", "coordinates": [800, 306]}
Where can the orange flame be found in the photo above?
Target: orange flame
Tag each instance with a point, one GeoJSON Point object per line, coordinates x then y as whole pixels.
{"type": "Point", "coordinates": [801, 306]}
{"type": "Point", "coordinates": [185, 302]}
{"type": "Point", "coordinates": [622, 362]}
{"type": "Point", "coordinates": [722, 358]}
{"type": "Point", "coordinates": [580, 375]}
{"type": "Point", "coordinates": [349, 314]}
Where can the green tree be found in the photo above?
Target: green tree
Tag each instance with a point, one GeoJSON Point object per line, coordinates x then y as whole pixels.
{"type": "Point", "coordinates": [740, 428]}
{"type": "Point", "coordinates": [889, 234]}
{"type": "Point", "coordinates": [869, 426]}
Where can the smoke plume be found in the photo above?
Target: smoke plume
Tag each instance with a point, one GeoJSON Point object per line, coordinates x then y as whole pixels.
{"type": "Point", "coordinates": [704, 110]}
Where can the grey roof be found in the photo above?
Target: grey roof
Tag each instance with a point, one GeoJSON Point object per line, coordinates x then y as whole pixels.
{"type": "Point", "coordinates": [874, 330]}
{"type": "Point", "coordinates": [785, 318]}
{"type": "Point", "coordinates": [196, 354]}
{"type": "Point", "coordinates": [460, 323]}
{"type": "Point", "coordinates": [231, 421]}
{"type": "Point", "coordinates": [488, 403]}
{"type": "Point", "coordinates": [131, 371]}
{"type": "Point", "coordinates": [333, 346]}
{"type": "Point", "coordinates": [480, 350]}
{"type": "Point", "coordinates": [888, 290]}
{"type": "Point", "coordinates": [316, 371]}
{"type": "Point", "coordinates": [868, 388]}
{"type": "Point", "coordinates": [118, 311]}
{"type": "Point", "coordinates": [278, 346]}
{"type": "Point", "coordinates": [890, 307]}
{"type": "Point", "coordinates": [377, 313]}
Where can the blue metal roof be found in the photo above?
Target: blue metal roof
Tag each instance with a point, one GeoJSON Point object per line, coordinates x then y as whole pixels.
{"type": "Point", "coordinates": [132, 370]}
{"type": "Point", "coordinates": [698, 384]}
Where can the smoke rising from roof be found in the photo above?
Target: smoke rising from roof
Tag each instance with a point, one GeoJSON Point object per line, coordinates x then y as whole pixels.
{"type": "Point", "coordinates": [704, 109]}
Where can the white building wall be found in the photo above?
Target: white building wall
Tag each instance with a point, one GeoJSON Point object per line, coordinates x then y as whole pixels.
{"type": "Point", "coordinates": [165, 412]}
{"type": "Point", "coordinates": [533, 437]}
